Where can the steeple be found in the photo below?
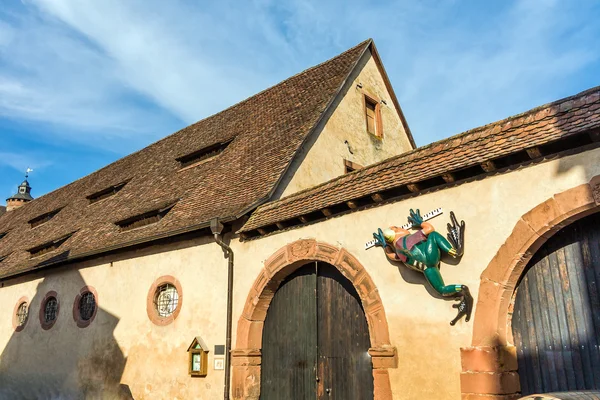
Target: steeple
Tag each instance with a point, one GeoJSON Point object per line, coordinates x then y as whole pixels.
{"type": "Point", "coordinates": [22, 196]}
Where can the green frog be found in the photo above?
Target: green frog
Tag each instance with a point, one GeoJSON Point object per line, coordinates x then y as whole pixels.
{"type": "Point", "coordinates": [422, 251]}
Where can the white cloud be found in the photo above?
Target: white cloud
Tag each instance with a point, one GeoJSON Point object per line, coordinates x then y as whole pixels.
{"type": "Point", "coordinates": [21, 162]}
{"type": "Point", "coordinates": [118, 69]}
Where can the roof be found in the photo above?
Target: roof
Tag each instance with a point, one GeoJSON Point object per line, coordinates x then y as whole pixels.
{"type": "Point", "coordinates": [530, 130]}
{"type": "Point", "coordinates": [2, 210]}
{"type": "Point", "coordinates": [265, 131]}
{"type": "Point", "coordinates": [21, 196]}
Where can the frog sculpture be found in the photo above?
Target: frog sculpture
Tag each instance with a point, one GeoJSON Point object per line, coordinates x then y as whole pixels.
{"type": "Point", "coordinates": [422, 251]}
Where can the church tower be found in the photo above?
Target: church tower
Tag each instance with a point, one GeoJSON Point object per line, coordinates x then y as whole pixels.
{"type": "Point", "coordinates": [22, 196]}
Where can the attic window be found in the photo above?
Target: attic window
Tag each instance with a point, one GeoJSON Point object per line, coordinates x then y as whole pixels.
{"type": "Point", "coordinates": [203, 154]}
{"type": "Point", "coordinates": [350, 166]}
{"type": "Point", "coordinates": [2, 258]}
{"type": "Point", "coordinates": [373, 116]}
{"type": "Point", "coordinates": [43, 218]}
{"type": "Point", "coordinates": [48, 246]}
{"type": "Point", "coordinates": [150, 217]}
{"type": "Point", "coordinates": [94, 197]}
{"type": "Point", "coordinates": [2, 234]}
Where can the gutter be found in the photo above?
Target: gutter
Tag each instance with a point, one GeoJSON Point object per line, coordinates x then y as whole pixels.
{"type": "Point", "coordinates": [216, 228]}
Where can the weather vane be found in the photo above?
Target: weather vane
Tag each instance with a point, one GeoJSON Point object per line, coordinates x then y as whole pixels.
{"type": "Point", "coordinates": [27, 172]}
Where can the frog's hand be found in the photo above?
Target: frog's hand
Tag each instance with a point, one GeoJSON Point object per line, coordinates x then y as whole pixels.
{"type": "Point", "coordinates": [456, 235]}
{"type": "Point", "coordinates": [380, 238]}
{"type": "Point", "coordinates": [415, 218]}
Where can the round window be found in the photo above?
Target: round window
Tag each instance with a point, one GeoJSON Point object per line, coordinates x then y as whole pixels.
{"type": "Point", "coordinates": [22, 313]}
{"type": "Point", "coordinates": [50, 310]}
{"type": "Point", "coordinates": [166, 300]}
{"type": "Point", "coordinates": [87, 306]}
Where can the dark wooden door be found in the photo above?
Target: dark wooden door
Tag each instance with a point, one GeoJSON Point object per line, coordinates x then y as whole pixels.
{"type": "Point", "coordinates": [315, 339]}
{"type": "Point", "coordinates": [556, 319]}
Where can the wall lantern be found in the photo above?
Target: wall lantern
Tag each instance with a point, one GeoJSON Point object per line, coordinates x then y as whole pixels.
{"type": "Point", "coordinates": [198, 359]}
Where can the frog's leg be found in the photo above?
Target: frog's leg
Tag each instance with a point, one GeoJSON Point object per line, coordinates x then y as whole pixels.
{"type": "Point", "coordinates": [465, 306]}
{"type": "Point", "coordinates": [442, 243]}
{"type": "Point", "coordinates": [434, 277]}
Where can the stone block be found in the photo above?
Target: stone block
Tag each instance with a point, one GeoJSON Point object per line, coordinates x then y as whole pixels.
{"type": "Point", "coordinates": [490, 382]}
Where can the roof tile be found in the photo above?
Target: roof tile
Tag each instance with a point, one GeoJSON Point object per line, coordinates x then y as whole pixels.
{"type": "Point", "coordinates": [533, 128]}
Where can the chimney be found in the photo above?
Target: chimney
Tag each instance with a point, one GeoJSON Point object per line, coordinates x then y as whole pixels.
{"type": "Point", "coordinates": [22, 196]}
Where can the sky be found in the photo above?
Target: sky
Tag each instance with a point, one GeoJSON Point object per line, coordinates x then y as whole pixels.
{"type": "Point", "coordinates": [86, 82]}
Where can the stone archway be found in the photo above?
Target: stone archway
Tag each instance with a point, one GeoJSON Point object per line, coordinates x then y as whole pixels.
{"type": "Point", "coordinates": [246, 357]}
{"type": "Point", "coordinates": [490, 365]}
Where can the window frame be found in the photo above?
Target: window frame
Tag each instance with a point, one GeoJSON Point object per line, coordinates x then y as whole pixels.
{"type": "Point", "coordinates": [82, 323]}
{"type": "Point", "coordinates": [15, 319]}
{"type": "Point", "coordinates": [47, 325]}
{"type": "Point", "coordinates": [369, 98]}
{"type": "Point", "coordinates": [151, 310]}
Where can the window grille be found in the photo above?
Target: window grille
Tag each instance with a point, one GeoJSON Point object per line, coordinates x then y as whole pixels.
{"type": "Point", "coordinates": [50, 310]}
{"type": "Point", "coordinates": [166, 300]}
{"type": "Point", "coordinates": [87, 306]}
{"type": "Point", "coordinates": [22, 313]}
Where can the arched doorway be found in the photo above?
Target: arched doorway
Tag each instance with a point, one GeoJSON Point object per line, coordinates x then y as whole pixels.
{"type": "Point", "coordinates": [316, 339]}
{"type": "Point", "coordinates": [489, 365]}
{"type": "Point", "coordinates": [246, 358]}
{"type": "Point", "coordinates": [556, 317]}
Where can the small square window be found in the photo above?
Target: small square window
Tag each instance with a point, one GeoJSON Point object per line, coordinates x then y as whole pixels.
{"type": "Point", "coordinates": [373, 116]}
{"type": "Point", "coordinates": [350, 166]}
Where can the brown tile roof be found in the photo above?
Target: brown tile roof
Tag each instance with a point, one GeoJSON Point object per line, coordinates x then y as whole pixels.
{"type": "Point", "coordinates": [540, 126]}
{"type": "Point", "coordinates": [267, 130]}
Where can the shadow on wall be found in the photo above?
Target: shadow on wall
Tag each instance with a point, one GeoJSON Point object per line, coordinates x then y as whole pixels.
{"type": "Point", "coordinates": [64, 361]}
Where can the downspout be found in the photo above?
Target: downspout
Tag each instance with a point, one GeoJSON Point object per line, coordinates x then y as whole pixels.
{"type": "Point", "coordinates": [216, 228]}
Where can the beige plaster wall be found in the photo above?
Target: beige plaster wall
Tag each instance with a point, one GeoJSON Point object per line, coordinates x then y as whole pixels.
{"type": "Point", "coordinates": [123, 345]}
{"type": "Point", "coordinates": [323, 160]}
{"type": "Point", "coordinates": [428, 347]}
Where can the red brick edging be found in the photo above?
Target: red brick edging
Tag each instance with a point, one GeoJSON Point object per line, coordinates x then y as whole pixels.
{"type": "Point", "coordinates": [151, 310]}
{"type": "Point", "coordinates": [490, 366]}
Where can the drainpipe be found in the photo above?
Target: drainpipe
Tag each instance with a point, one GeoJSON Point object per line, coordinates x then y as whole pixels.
{"type": "Point", "coordinates": [216, 228]}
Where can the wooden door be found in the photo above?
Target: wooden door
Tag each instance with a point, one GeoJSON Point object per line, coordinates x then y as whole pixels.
{"type": "Point", "coordinates": [556, 319]}
{"type": "Point", "coordinates": [315, 339]}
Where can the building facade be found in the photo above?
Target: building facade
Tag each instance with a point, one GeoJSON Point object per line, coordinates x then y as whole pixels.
{"type": "Point", "coordinates": [114, 282]}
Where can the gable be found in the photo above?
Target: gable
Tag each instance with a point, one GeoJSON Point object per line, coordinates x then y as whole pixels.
{"type": "Point", "coordinates": [342, 137]}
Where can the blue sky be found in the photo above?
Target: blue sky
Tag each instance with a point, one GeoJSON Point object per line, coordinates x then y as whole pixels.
{"type": "Point", "coordinates": [85, 82]}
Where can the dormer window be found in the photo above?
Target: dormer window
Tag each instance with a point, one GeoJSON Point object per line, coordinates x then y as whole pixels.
{"type": "Point", "coordinates": [203, 154]}
{"type": "Point", "coordinates": [104, 193]}
{"type": "Point", "coordinates": [48, 246]}
{"type": "Point", "coordinates": [39, 220]}
{"type": "Point", "coordinates": [21, 189]}
{"type": "Point", "coordinates": [2, 234]}
{"type": "Point", "coordinates": [373, 116]}
{"type": "Point", "coordinates": [147, 218]}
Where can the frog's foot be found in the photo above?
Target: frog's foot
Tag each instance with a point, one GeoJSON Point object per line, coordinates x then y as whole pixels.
{"type": "Point", "coordinates": [464, 306]}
